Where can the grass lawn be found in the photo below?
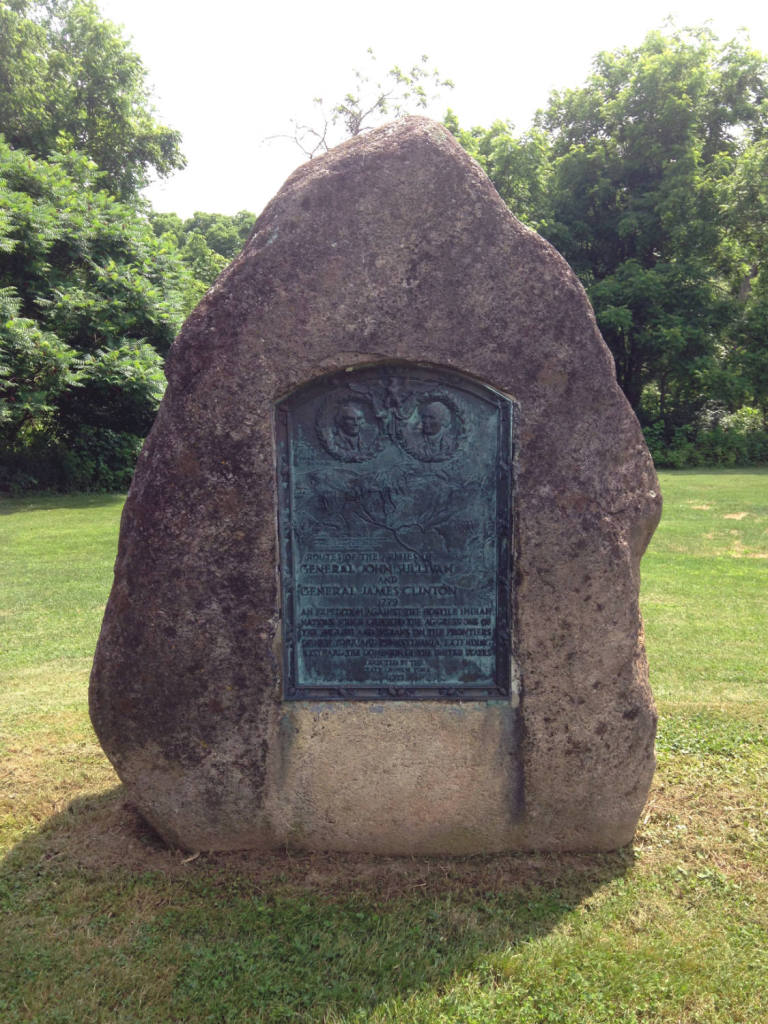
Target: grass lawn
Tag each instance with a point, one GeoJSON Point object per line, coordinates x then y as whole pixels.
{"type": "Point", "coordinates": [101, 923]}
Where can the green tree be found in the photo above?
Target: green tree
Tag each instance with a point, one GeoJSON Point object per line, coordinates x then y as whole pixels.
{"type": "Point", "coordinates": [169, 224]}
{"type": "Point", "coordinates": [652, 180]}
{"type": "Point", "coordinates": [225, 233]}
{"type": "Point", "coordinates": [68, 79]}
{"type": "Point", "coordinates": [90, 299]}
{"type": "Point", "coordinates": [206, 242]}
{"type": "Point", "coordinates": [85, 265]}
{"type": "Point", "coordinates": [743, 194]}
{"type": "Point", "coordinates": [641, 155]}
{"type": "Point", "coordinates": [205, 263]}
{"type": "Point", "coordinates": [519, 166]}
{"type": "Point", "coordinates": [36, 368]}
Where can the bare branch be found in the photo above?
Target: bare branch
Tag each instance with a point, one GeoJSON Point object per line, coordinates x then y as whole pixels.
{"type": "Point", "coordinates": [361, 107]}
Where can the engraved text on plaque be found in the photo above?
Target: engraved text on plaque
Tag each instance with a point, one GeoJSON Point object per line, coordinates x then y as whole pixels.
{"type": "Point", "coordinates": [395, 499]}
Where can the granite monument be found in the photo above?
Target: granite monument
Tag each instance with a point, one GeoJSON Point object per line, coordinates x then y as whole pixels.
{"type": "Point", "coordinates": [377, 579]}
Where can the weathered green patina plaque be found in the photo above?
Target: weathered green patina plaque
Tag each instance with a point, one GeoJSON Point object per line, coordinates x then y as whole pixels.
{"type": "Point", "coordinates": [395, 517]}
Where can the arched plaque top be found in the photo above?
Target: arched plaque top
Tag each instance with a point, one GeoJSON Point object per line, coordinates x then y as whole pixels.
{"type": "Point", "coordinates": [395, 506]}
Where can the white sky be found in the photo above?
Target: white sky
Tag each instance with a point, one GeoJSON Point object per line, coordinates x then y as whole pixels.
{"type": "Point", "coordinates": [230, 74]}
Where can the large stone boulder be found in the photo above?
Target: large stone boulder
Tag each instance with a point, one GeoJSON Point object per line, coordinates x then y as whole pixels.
{"type": "Point", "coordinates": [394, 247]}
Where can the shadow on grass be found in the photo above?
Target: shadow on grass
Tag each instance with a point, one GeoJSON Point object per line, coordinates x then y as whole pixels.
{"type": "Point", "coordinates": [98, 910]}
{"type": "Point", "coordinates": [52, 502]}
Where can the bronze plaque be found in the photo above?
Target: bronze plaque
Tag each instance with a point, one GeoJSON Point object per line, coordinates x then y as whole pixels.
{"type": "Point", "coordinates": [395, 521]}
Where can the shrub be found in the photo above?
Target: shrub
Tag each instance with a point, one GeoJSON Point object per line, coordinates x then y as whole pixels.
{"type": "Point", "coordinates": [95, 459]}
{"type": "Point", "coordinates": [735, 439]}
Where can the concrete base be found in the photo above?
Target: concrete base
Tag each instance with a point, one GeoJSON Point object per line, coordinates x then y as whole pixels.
{"type": "Point", "coordinates": [396, 778]}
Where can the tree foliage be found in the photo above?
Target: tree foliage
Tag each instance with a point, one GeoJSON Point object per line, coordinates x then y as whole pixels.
{"type": "Point", "coordinates": [92, 293]}
{"type": "Point", "coordinates": [223, 233]}
{"type": "Point", "coordinates": [90, 298]}
{"type": "Point", "coordinates": [68, 80]}
{"type": "Point", "coordinates": [651, 180]}
{"type": "Point", "coordinates": [206, 242]}
{"type": "Point", "coordinates": [641, 160]}
{"type": "Point", "coordinates": [93, 286]}
{"type": "Point", "coordinates": [36, 368]}
{"type": "Point", "coordinates": [84, 264]}
{"type": "Point", "coordinates": [519, 166]}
